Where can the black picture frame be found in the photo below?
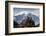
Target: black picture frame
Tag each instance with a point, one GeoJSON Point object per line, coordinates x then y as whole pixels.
{"type": "Point", "coordinates": [6, 18]}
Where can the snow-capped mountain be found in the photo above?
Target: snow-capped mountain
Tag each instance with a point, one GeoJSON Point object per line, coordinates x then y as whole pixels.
{"type": "Point", "coordinates": [20, 16]}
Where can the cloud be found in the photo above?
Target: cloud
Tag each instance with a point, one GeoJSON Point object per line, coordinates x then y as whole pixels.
{"type": "Point", "coordinates": [26, 12]}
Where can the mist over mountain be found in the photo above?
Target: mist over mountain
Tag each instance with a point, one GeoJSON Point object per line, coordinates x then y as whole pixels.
{"type": "Point", "coordinates": [19, 18]}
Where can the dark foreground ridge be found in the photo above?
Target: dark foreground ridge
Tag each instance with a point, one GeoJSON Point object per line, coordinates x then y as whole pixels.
{"type": "Point", "coordinates": [27, 22]}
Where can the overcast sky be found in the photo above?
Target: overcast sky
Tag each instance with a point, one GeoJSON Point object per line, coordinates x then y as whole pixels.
{"type": "Point", "coordinates": [19, 11]}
